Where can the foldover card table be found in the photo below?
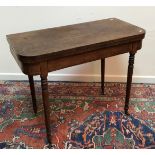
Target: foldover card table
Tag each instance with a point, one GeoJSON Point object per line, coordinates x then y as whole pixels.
{"type": "Point", "coordinates": [42, 51]}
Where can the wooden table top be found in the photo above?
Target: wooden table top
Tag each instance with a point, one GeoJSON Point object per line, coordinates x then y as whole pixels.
{"type": "Point", "coordinates": [73, 39]}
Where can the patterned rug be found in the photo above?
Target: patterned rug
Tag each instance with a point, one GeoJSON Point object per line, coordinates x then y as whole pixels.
{"type": "Point", "coordinates": [83, 118]}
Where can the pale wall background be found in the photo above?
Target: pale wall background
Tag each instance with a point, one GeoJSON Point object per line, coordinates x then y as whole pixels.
{"type": "Point", "coordinates": [20, 19]}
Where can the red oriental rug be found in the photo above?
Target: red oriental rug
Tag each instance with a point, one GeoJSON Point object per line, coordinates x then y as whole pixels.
{"type": "Point", "coordinates": [83, 118]}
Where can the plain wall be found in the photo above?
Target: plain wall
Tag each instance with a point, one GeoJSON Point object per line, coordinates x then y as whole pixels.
{"type": "Point", "coordinates": [20, 19]}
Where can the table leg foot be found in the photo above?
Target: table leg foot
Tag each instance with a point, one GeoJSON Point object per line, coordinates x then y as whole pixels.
{"type": "Point", "coordinates": [102, 75]}
{"type": "Point", "coordinates": [45, 96]}
{"type": "Point", "coordinates": [129, 81]}
{"type": "Point", "coordinates": [50, 146]}
{"type": "Point", "coordinates": [126, 112]}
{"type": "Point", "coordinates": [32, 88]}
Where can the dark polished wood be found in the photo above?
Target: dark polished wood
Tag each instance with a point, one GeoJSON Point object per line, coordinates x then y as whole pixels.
{"type": "Point", "coordinates": [42, 51]}
{"type": "Point", "coordinates": [32, 89]}
{"type": "Point", "coordinates": [129, 81]}
{"type": "Point", "coordinates": [54, 43]}
{"type": "Point", "coordinates": [102, 75]}
{"type": "Point", "coordinates": [45, 96]}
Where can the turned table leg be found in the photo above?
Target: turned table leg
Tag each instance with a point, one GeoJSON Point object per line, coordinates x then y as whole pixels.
{"type": "Point", "coordinates": [31, 81]}
{"type": "Point", "coordinates": [102, 74]}
{"type": "Point", "coordinates": [129, 81]}
{"type": "Point", "coordinates": [45, 96]}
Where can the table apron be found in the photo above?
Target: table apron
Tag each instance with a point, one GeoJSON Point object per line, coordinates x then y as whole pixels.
{"type": "Point", "coordinates": [68, 61]}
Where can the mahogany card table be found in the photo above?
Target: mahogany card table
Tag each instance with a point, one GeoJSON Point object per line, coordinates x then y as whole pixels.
{"type": "Point", "coordinates": [42, 51]}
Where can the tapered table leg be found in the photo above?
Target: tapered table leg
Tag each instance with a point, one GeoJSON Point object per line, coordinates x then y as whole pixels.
{"type": "Point", "coordinates": [102, 75]}
{"type": "Point", "coordinates": [129, 81]}
{"type": "Point", "coordinates": [45, 96]}
{"type": "Point", "coordinates": [31, 81]}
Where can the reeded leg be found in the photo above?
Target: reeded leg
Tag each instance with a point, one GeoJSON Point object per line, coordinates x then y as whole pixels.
{"type": "Point", "coordinates": [129, 81]}
{"type": "Point", "coordinates": [102, 74]}
{"type": "Point", "coordinates": [31, 81]}
{"type": "Point", "coordinates": [45, 96]}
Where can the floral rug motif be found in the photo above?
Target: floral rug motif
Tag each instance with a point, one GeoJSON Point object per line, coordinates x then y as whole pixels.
{"type": "Point", "coordinates": [82, 117]}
